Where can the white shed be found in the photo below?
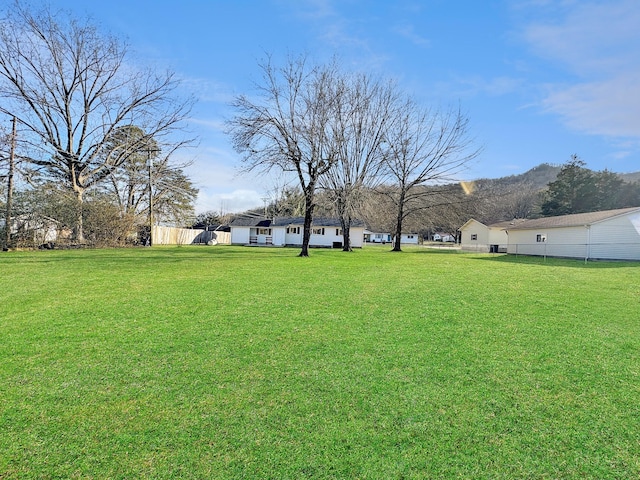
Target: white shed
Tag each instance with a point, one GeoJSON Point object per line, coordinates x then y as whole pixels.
{"type": "Point", "coordinates": [606, 235]}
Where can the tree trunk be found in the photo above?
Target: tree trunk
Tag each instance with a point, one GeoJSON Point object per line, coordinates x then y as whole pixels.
{"type": "Point", "coordinates": [398, 229]}
{"type": "Point", "coordinates": [346, 235]}
{"type": "Point", "coordinates": [78, 232]}
{"type": "Point", "coordinates": [308, 218]}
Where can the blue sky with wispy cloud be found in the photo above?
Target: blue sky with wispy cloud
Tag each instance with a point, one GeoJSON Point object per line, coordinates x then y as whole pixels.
{"type": "Point", "coordinates": [540, 79]}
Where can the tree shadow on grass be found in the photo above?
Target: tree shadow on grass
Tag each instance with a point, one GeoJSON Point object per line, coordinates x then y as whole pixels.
{"type": "Point", "coordinates": [554, 261]}
{"type": "Point", "coordinates": [432, 250]}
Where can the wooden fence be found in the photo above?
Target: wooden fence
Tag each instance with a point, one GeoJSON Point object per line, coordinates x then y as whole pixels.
{"type": "Point", "coordinates": [187, 236]}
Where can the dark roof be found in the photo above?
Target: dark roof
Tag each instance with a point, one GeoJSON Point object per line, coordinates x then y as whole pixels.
{"type": "Point", "coordinates": [574, 220]}
{"type": "Point", "coordinates": [317, 222]}
{"type": "Point", "coordinates": [250, 222]}
{"type": "Point", "coordinates": [286, 221]}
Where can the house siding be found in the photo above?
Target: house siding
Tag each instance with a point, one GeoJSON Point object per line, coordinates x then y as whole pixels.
{"type": "Point", "coordinates": [409, 238]}
{"type": "Point", "coordinates": [481, 243]}
{"type": "Point", "coordinates": [617, 238]}
{"type": "Point", "coordinates": [498, 236]}
{"type": "Point", "coordinates": [570, 242]}
{"type": "Point", "coordinates": [240, 235]}
{"type": "Point", "coordinates": [330, 237]}
{"type": "Point", "coordinates": [279, 236]}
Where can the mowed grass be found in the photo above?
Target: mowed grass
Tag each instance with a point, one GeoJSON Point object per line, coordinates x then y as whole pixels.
{"type": "Point", "coordinates": [234, 362]}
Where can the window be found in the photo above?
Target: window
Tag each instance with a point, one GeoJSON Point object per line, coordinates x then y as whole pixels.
{"type": "Point", "coordinates": [317, 231]}
{"type": "Point", "coordinates": [295, 230]}
{"type": "Point", "coordinates": [474, 236]}
{"type": "Point", "coordinates": [338, 232]}
{"type": "Point", "coordinates": [541, 237]}
{"type": "Point", "coordinates": [264, 231]}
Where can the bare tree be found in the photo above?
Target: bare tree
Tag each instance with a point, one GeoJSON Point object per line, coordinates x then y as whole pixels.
{"type": "Point", "coordinates": [362, 116]}
{"type": "Point", "coordinates": [71, 87]}
{"type": "Point", "coordinates": [424, 148]}
{"type": "Point", "coordinates": [288, 127]}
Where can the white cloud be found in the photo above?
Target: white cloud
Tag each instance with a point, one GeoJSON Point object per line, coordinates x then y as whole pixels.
{"type": "Point", "coordinates": [598, 43]}
{"type": "Point", "coordinates": [207, 90]}
{"type": "Point", "coordinates": [494, 87]}
{"type": "Point", "coordinates": [215, 172]}
{"type": "Point", "coordinates": [216, 125]}
{"type": "Point", "coordinates": [407, 31]}
{"type": "Point", "coordinates": [229, 202]}
{"type": "Point", "coordinates": [609, 107]}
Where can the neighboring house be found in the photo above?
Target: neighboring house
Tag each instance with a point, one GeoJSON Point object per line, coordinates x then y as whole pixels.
{"type": "Point", "coordinates": [478, 237]}
{"type": "Point", "coordinates": [35, 230]}
{"type": "Point", "coordinates": [376, 237]}
{"type": "Point", "coordinates": [288, 231]}
{"type": "Point", "coordinates": [607, 235]}
{"type": "Point", "coordinates": [443, 237]}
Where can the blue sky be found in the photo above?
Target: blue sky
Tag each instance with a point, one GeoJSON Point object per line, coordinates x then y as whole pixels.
{"type": "Point", "coordinates": [539, 79]}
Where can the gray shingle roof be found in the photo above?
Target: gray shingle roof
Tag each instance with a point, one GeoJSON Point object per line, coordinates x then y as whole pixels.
{"type": "Point", "coordinates": [317, 222]}
{"type": "Point", "coordinates": [285, 221]}
{"type": "Point", "coordinates": [508, 224]}
{"type": "Point", "coordinates": [577, 219]}
{"type": "Point", "coordinates": [250, 222]}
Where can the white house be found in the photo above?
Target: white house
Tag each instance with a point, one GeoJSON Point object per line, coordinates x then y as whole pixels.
{"type": "Point", "coordinates": [288, 231]}
{"type": "Point", "coordinates": [607, 235]}
{"type": "Point", "coordinates": [35, 230]}
{"type": "Point", "coordinates": [377, 237]}
{"type": "Point", "coordinates": [443, 237]}
{"type": "Point", "coordinates": [478, 237]}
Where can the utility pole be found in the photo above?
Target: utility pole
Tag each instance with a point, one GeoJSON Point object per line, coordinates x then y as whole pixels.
{"type": "Point", "coordinates": [7, 217]}
{"type": "Point", "coordinates": [150, 200]}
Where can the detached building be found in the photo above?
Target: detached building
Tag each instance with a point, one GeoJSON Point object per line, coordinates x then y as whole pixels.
{"type": "Point", "coordinates": [475, 236]}
{"type": "Point", "coordinates": [606, 235]}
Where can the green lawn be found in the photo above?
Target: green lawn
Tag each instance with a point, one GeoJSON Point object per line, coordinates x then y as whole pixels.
{"type": "Point", "coordinates": [235, 362]}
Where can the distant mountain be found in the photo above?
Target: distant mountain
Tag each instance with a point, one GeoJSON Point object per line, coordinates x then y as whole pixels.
{"type": "Point", "coordinates": [630, 177]}
{"type": "Point", "coordinates": [539, 177]}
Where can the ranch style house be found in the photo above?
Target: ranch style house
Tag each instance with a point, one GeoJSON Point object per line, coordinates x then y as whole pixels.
{"type": "Point", "coordinates": [287, 231]}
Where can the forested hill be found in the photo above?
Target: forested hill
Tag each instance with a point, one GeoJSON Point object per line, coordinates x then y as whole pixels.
{"type": "Point", "coordinates": [539, 177]}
